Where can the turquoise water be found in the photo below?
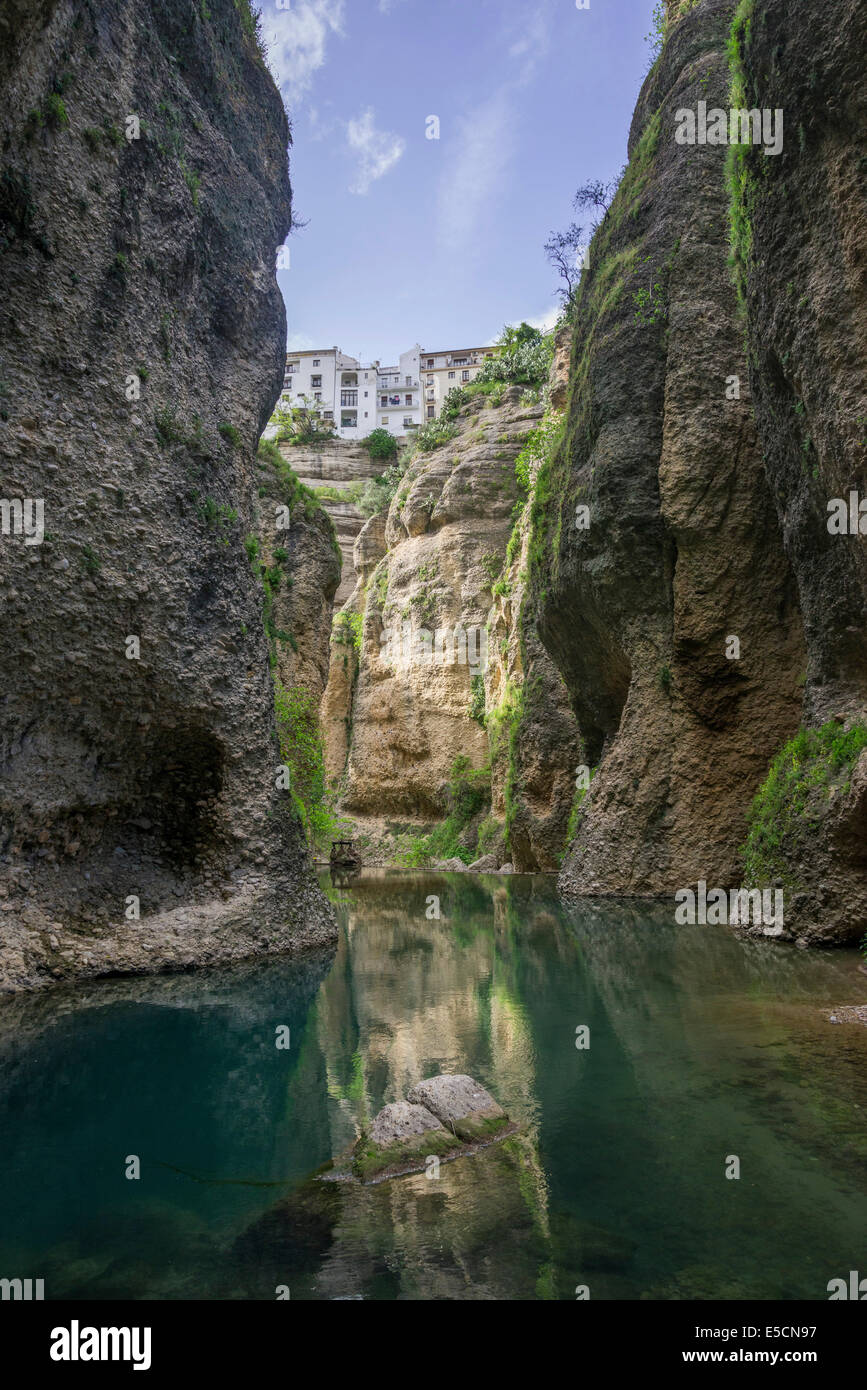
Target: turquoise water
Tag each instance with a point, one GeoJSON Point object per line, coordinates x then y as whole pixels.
{"type": "Point", "coordinates": [702, 1047]}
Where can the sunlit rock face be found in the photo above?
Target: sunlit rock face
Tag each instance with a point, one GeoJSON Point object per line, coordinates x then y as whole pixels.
{"type": "Point", "coordinates": [336, 464]}
{"type": "Point", "coordinates": [674, 616]}
{"type": "Point", "coordinates": [142, 338]}
{"type": "Point", "coordinates": [446, 533]}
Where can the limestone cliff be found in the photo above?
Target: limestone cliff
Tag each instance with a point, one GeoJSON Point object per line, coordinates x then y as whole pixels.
{"type": "Point", "coordinates": [446, 536]}
{"type": "Point", "coordinates": [799, 234]}
{"type": "Point", "coordinates": [301, 566]}
{"type": "Point", "coordinates": [335, 470]}
{"type": "Point", "coordinates": [533, 736]}
{"type": "Point", "coordinates": [144, 193]}
{"type": "Point", "coordinates": [689, 602]}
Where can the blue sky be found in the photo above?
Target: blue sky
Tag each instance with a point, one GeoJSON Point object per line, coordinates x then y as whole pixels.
{"type": "Point", "coordinates": [440, 240]}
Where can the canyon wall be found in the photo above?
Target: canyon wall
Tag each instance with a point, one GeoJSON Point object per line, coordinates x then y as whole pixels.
{"type": "Point", "coordinates": [398, 715]}
{"type": "Point", "coordinates": [801, 262]}
{"type": "Point", "coordinates": [303, 561]}
{"type": "Point", "coordinates": [333, 467]}
{"type": "Point", "coordinates": [144, 192]}
{"type": "Point", "coordinates": [704, 610]}
{"type": "Point", "coordinates": [446, 536]}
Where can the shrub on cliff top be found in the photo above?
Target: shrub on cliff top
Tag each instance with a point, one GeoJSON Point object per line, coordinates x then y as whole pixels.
{"type": "Point", "coordinates": [381, 445]}
{"type": "Point", "coordinates": [520, 359]}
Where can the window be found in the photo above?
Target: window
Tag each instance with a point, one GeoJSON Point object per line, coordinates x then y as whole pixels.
{"type": "Point", "coordinates": [317, 362]}
{"type": "Point", "coordinates": [451, 376]}
{"type": "Point", "coordinates": [407, 422]}
{"type": "Point", "coordinates": [316, 381]}
{"type": "Point", "coordinates": [430, 412]}
{"type": "Point", "coordinates": [407, 400]}
{"type": "Point", "coordinates": [292, 367]}
{"type": "Point", "coordinates": [365, 395]}
{"type": "Point", "coordinates": [430, 361]}
{"type": "Point", "coordinates": [365, 414]}
{"type": "Point", "coordinates": [383, 400]}
{"type": "Point", "coordinates": [430, 381]}
{"type": "Point", "coordinates": [409, 381]}
{"type": "Point", "coordinates": [465, 376]}
{"type": "Point", "coordinates": [317, 395]}
{"type": "Point", "coordinates": [348, 398]}
{"type": "Point", "coordinates": [460, 361]}
{"type": "Point", "coordinates": [384, 420]}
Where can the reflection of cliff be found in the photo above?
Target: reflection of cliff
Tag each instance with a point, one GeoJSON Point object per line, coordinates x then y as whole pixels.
{"type": "Point", "coordinates": [420, 995]}
{"type": "Point", "coordinates": [409, 997]}
{"type": "Point", "coordinates": [722, 1066]}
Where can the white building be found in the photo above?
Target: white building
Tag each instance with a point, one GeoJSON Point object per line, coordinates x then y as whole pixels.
{"type": "Point", "coordinates": [440, 371]}
{"type": "Point", "coordinates": [399, 407]}
{"type": "Point", "coordinates": [359, 397]}
{"type": "Point", "coordinates": [341, 386]}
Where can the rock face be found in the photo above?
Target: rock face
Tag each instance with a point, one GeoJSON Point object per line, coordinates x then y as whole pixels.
{"type": "Point", "coordinates": [335, 715]}
{"type": "Point", "coordinates": [307, 561]}
{"type": "Point", "coordinates": [802, 218]}
{"type": "Point", "coordinates": [532, 732]}
{"type": "Point", "coordinates": [336, 466]}
{"type": "Point", "coordinates": [674, 617]}
{"type": "Point", "coordinates": [446, 534]}
{"type": "Point", "coordinates": [142, 351]}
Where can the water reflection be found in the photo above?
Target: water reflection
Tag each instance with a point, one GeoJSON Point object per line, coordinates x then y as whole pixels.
{"type": "Point", "coordinates": [701, 1046]}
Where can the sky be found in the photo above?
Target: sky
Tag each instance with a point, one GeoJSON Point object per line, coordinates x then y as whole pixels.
{"type": "Point", "coordinates": [439, 240]}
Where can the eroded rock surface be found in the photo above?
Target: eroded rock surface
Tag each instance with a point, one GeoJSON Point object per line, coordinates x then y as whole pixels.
{"type": "Point", "coordinates": [142, 351]}
{"type": "Point", "coordinates": [683, 551]}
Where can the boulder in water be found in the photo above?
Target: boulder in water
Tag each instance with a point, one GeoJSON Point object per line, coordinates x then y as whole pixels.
{"type": "Point", "coordinates": [462, 1106]}
{"type": "Point", "coordinates": [400, 1139]}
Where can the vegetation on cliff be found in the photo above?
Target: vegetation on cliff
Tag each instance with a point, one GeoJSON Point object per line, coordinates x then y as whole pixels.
{"type": "Point", "coordinates": [788, 810]}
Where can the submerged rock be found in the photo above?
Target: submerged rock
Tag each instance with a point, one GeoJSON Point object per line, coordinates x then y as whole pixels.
{"type": "Point", "coordinates": [462, 1105]}
{"type": "Point", "coordinates": [400, 1139]}
{"type": "Point", "coordinates": [443, 1116]}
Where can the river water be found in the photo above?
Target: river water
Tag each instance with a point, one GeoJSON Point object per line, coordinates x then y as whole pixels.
{"type": "Point", "coordinates": [703, 1049]}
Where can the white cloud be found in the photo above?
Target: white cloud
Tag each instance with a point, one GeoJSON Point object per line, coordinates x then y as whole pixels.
{"type": "Point", "coordinates": [299, 342]}
{"type": "Point", "coordinates": [532, 44]}
{"type": "Point", "coordinates": [544, 322]}
{"type": "Point", "coordinates": [377, 150]}
{"type": "Point", "coordinates": [297, 39]}
{"type": "Point", "coordinates": [474, 177]}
